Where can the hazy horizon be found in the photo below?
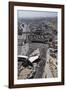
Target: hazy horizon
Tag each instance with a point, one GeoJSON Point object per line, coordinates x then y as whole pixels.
{"type": "Point", "coordinates": [28, 14]}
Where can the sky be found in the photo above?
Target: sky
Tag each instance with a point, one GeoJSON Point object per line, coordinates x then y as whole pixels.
{"type": "Point", "coordinates": [35, 14]}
